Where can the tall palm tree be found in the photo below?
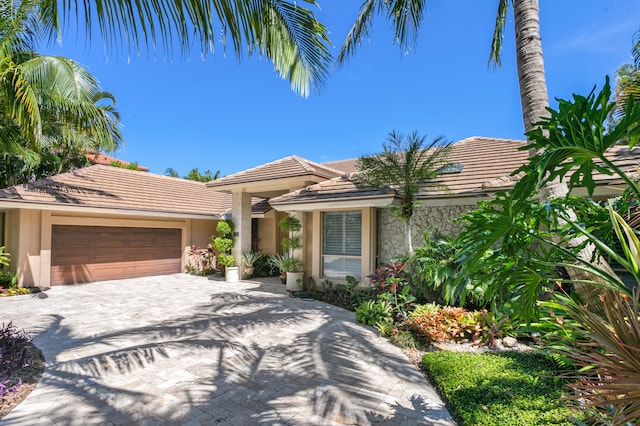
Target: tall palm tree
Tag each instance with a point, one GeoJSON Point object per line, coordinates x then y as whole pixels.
{"type": "Point", "coordinates": [408, 165]}
{"type": "Point", "coordinates": [284, 31]}
{"type": "Point", "coordinates": [628, 79]}
{"type": "Point", "coordinates": [407, 16]}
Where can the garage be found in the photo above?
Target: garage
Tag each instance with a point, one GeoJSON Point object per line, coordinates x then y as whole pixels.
{"type": "Point", "coordinates": [97, 253]}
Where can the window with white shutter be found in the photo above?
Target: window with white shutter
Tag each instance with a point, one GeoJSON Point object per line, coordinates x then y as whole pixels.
{"type": "Point", "coordinates": [341, 244]}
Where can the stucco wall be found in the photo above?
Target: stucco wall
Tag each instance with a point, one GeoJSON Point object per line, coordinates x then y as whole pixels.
{"type": "Point", "coordinates": [29, 236]}
{"type": "Point", "coordinates": [392, 240]}
{"type": "Point", "coordinates": [202, 231]}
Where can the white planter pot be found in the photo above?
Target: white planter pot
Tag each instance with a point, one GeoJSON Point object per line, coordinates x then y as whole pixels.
{"type": "Point", "coordinates": [231, 274]}
{"type": "Point", "coordinates": [294, 281]}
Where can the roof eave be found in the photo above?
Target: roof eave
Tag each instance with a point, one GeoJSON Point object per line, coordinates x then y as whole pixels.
{"type": "Point", "coordinates": [21, 204]}
{"type": "Point", "coordinates": [334, 203]}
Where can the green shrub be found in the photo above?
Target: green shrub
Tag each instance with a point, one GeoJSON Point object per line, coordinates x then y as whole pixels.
{"type": "Point", "coordinates": [507, 388]}
{"type": "Point", "coordinates": [371, 312]}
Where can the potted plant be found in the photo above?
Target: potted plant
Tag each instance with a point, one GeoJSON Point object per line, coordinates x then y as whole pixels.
{"type": "Point", "coordinates": [249, 258]}
{"type": "Point", "coordinates": [294, 267]}
{"type": "Point", "coordinates": [276, 261]}
{"type": "Point", "coordinates": [223, 244]}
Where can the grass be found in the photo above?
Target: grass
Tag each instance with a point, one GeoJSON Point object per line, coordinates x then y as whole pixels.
{"type": "Point", "coordinates": [507, 388]}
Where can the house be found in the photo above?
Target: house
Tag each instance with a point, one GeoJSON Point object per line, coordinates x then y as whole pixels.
{"type": "Point", "coordinates": [102, 222]}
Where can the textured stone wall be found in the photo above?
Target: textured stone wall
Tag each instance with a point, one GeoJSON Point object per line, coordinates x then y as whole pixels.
{"type": "Point", "coordinates": [392, 239]}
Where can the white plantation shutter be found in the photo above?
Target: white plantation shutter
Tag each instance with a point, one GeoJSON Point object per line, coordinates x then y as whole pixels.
{"type": "Point", "coordinates": [341, 243]}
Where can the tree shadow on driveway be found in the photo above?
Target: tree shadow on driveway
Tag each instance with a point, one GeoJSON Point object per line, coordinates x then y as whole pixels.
{"type": "Point", "coordinates": [230, 354]}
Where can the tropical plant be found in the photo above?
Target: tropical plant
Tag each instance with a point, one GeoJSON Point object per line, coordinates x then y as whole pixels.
{"type": "Point", "coordinates": [224, 242]}
{"type": "Point", "coordinates": [290, 226]}
{"type": "Point", "coordinates": [536, 239]}
{"type": "Point", "coordinates": [194, 174]}
{"type": "Point", "coordinates": [5, 258]}
{"type": "Point", "coordinates": [628, 80]}
{"type": "Point", "coordinates": [407, 165]}
{"type": "Point", "coordinates": [372, 312]}
{"type": "Point", "coordinates": [249, 258]}
{"type": "Point", "coordinates": [283, 31]}
{"type": "Point", "coordinates": [52, 111]}
{"type": "Point", "coordinates": [606, 347]}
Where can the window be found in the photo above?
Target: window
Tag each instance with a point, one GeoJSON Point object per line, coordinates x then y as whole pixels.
{"type": "Point", "coordinates": [342, 244]}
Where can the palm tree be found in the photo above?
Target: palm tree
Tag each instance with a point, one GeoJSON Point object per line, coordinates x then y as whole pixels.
{"type": "Point", "coordinates": [282, 30]}
{"type": "Point", "coordinates": [407, 16]}
{"type": "Point", "coordinates": [407, 166]}
{"type": "Point", "coordinates": [628, 79]}
{"type": "Point", "coordinates": [52, 111]}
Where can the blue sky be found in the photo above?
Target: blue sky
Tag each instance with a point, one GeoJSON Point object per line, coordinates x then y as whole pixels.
{"type": "Point", "coordinates": [223, 115]}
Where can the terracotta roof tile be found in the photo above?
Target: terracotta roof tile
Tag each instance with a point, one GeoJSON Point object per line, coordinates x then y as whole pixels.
{"type": "Point", "coordinates": [287, 167]}
{"type": "Point", "coordinates": [100, 158]}
{"type": "Point", "coordinates": [337, 188]}
{"type": "Point", "coordinates": [487, 164]}
{"type": "Point", "coordinates": [109, 187]}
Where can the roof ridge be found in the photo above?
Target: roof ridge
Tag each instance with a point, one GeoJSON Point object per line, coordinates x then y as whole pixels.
{"type": "Point", "coordinates": [489, 138]}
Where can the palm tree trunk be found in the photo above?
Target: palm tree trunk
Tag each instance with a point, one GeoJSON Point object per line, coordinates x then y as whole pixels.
{"type": "Point", "coordinates": [407, 229]}
{"type": "Point", "coordinates": [535, 100]}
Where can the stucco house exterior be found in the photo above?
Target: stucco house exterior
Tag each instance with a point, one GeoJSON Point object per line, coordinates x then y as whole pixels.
{"type": "Point", "coordinates": [102, 222]}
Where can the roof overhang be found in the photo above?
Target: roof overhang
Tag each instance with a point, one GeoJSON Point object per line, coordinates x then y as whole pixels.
{"type": "Point", "coordinates": [267, 188]}
{"type": "Point", "coordinates": [337, 203]}
{"type": "Point", "coordinates": [4, 205]}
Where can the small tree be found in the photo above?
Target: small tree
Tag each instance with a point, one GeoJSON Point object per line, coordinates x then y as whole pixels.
{"type": "Point", "coordinates": [223, 243]}
{"type": "Point", "coordinates": [289, 225]}
{"type": "Point", "coordinates": [406, 165]}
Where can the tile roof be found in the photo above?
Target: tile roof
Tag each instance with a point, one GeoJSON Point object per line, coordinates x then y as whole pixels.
{"type": "Point", "coordinates": [100, 158]}
{"type": "Point", "coordinates": [487, 165]}
{"type": "Point", "coordinates": [288, 167]}
{"type": "Point", "coordinates": [483, 159]}
{"type": "Point", "coordinates": [107, 187]}
{"type": "Point", "coordinates": [345, 166]}
{"type": "Point", "coordinates": [337, 188]}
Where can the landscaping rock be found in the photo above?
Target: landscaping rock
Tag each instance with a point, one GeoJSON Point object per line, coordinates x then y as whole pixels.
{"type": "Point", "coordinates": [509, 342]}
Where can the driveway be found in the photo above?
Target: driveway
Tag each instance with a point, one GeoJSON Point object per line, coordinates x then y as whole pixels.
{"type": "Point", "coordinates": [182, 349]}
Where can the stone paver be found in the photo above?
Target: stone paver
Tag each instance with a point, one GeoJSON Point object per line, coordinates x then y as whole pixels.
{"type": "Point", "coordinates": [182, 349]}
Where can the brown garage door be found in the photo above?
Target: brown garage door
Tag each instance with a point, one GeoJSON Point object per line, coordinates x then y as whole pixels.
{"type": "Point", "coordinates": [96, 253]}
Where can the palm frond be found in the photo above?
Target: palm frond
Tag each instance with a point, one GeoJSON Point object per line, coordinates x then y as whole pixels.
{"type": "Point", "coordinates": [359, 30]}
{"type": "Point", "coordinates": [498, 34]}
{"type": "Point", "coordinates": [285, 32]}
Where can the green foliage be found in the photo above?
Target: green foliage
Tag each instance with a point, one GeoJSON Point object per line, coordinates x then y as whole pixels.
{"type": "Point", "coordinates": [507, 388]}
{"type": "Point", "coordinates": [406, 164]}
{"type": "Point", "coordinates": [226, 259]}
{"type": "Point", "coordinates": [371, 312]}
{"type": "Point", "coordinates": [121, 165]}
{"type": "Point", "coordinates": [608, 352]}
{"type": "Point", "coordinates": [263, 267]}
{"type": "Point", "coordinates": [223, 243]}
{"type": "Point", "coordinates": [292, 264]}
{"type": "Point", "coordinates": [289, 225]}
{"type": "Point", "coordinates": [249, 258]}
{"type": "Point", "coordinates": [225, 228]}
{"type": "Point", "coordinates": [5, 258]}
{"type": "Point", "coordinates": [577, 135]}
{"type": "Point", "coordinates": [277, 261]}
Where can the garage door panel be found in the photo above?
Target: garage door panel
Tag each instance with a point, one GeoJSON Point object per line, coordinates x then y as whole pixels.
{"type": "Point", "coordinates": [95, 253]}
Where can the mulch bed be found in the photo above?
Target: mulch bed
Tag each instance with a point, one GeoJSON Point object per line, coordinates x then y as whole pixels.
{"type": "Point", "coordinates": [30, 376]}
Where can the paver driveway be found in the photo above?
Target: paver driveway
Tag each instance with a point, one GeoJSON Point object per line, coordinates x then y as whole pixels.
{"type": "Point", "coordinates": [181, 349]}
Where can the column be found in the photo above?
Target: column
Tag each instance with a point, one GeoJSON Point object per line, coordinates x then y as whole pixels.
{"type": "Point", "coordinates": [241, 216]}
